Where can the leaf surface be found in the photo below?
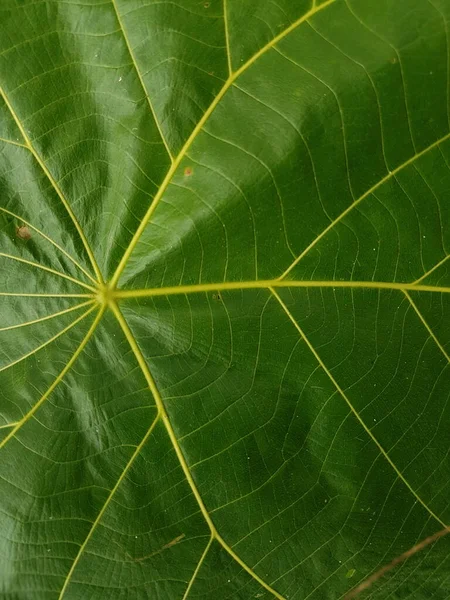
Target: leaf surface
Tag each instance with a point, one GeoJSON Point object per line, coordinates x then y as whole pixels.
{"type": "Point", "coordinates": [224, 290]}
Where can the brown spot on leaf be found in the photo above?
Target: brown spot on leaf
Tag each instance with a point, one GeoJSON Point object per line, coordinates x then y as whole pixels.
{"type": "Point", "coordinates": [207, 5]}
{"type": "Point", "coordinates": [188, 171]}
{"type": "Point", "coordinates": [393, 60]}
{"type": "Point", "coordinates": [23, 232]}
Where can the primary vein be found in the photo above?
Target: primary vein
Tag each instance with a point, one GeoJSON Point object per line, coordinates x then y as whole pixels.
{"type": "Point", "coordinates": [49, 270]}
{"type": "Point", "coordinates": [162, 414]}
{"type": "Point", "coordinates": [353, 409]}
{"type": "Point", "coordinates": [54, 185]}
{"type": "Point", "coordinates": [175, 164]}
{"type": "Point", "coordinates": [275, 283]}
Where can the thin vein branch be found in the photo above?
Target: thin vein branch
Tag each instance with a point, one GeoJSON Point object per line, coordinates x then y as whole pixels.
{"type": "Point", "coordinates": [354, 411]}
{"type": "Point", "coordinates": [49, 270]}
{"type": "Point", "coordinates": [168, 178]}
{"type": "Point", "coordinates": [436, 266]}
{"type": "Point", "coordinates": [13, 143]}
{"type": "Point", "coordinates": [138, 72]}
{"type": "Point", "coordinates": [367, 193]}
{"type": "Point", "coordinates": [197, 568]}
{"type": "Point", "coordinates": [47, 317]}
{"type": "Point", "coordinates": [55, 186]}
{"type": "Point", "coordinates": [227, 38]}
{"type": "Point", "coordinates": [183, 463]}
{"type": "Point", "coordinates": [59, 378]}
{"type": "Point", "coordinates": [427, 327]}
{"type": "Point", "coordinates": [48, 342]}
{"type": "Point", "coordinates": [49, 239]}
{"type": "Point", "coordinates": [105, 506]}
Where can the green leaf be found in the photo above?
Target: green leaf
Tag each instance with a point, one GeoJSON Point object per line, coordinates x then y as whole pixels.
{"type": "Point", "coordinates": [224, 291]}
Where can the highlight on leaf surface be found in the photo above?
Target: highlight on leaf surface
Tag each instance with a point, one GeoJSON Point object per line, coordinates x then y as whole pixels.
{"type": "Point", "coordinates": [224, 299]}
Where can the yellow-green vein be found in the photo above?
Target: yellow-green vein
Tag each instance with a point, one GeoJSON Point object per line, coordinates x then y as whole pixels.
{"type": "Point", "coordinates": [12, 142]}
{"type": "Point", "coordinates": [353, 410]}
{"type": "Point", "coordinates": [54, 185]}
{"type": "Point", "coordinates": [147, 96]}
{"type": "Point", "coordinates": [48, 342]}
{"type": "Point", "coordinates": [436, 266]}
{"type": "Point", "coordinates": [197, 568]}
{"type": "Point", "coordinates": [187, 473]}
{"type": "Point", "coordinates": [49, 270]}
{"type": "Point", "coordinates": [49, 239]}
{"type": "Point", "coordinates": [427, 327]}
{"type": "Point", "coordinates": [227, 38]}
{"type": "Point", "coordinates": [275, 283]}
{"type": "Point", "coordinates": [37, 295]}
{"type": "Point", "coordinates": [105, 506]}
{"type": "Point", "coordinates": [47, 317]}
{"type": "Point", "coordinates": [8, 425]}
{"type": "Point", "coordinates": [175, 164]}
{"type": "Point", "coordinates": [59, 378]}
{"type": "Point", "coordinates": [343, 214]}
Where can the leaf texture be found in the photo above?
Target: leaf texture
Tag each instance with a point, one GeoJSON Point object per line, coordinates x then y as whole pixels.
{"type": "Point", "coordinates": [224, 298]}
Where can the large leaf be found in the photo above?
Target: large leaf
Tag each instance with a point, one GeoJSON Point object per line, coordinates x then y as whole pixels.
{"type": "Point", "coordinates": [224, 297]}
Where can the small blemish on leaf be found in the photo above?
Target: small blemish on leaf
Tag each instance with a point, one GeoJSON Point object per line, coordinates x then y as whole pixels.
{"type": "Point", "coordinates": [217, 297]}
{"type": "Point", "coordinates": [207, 5]}
{"type": "Point", "coordinates": [188, 171]}
{"type": "Point", "coordinates": [393, 60]}
{"type": "Point", "coordinates": [23, 232]}
{"type": "Point", "coordinates": [350, 573]}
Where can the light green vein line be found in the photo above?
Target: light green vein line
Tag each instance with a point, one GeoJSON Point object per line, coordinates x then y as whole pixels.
{"type": "Point", "coordinates": [187, 473]}
{"type": "Point", "coordinates": [360, 199]}
{"type": "Point", "coordinates": [41, 233]}
{"type": "Point", "coordinates": [52, 339]}
{"type": "Point", "coordinates": [197, 568]}
{"type": "Point", "coordinates": [105, 506]}
{"type": "Point", "coordinates": [59, 378]}
{"type": "Point", "coordinates": [167, 179]}
{"type": "Point", "coordinates": [31, 295]}
{"type": "Point", "coordinates": [275, 283]}
{"type": "Point", "coordinates": [8, 425]}
{"type": "Point", "coordinates": [436, 266]}
{"type": "Point", "coordinates": [54, 185]}
{"type": "Point", "coordinates": [12, 142]}
{"type": "Point", "coordinates": [49, 270]}
{"type": "Point", "coordinates": [147, 96]}
{"type": "Point", "coordinates": [354, 411]}
{"type": "Point", "coordinates": [46, 318]}
{"type": "Point", "coordinates": [227, 38]}
{"type": "Point", "coordinates": [427, 327]}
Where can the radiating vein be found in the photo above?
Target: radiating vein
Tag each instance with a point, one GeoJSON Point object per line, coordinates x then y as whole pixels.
{"type": "Point", "coordinates": [54, 185]}
{"type": "Point", "coordinates": [47, 317]}
{"type": "Point", "coordinates": [197, 568]}
{"type": "Point", "coordinates": [354, 411]}
{"type": "Point", "coordinates": [48, 342]}
{"type": "Point", "coordinates": [275, 283]}
{"type": "Point", "coordinates": [105, 506]}
{"type": "Point", "coordinates": [367, 193]}
{"type": "Point", "coordinates": [59, 378]}
{"type": "Point", "coordinates": [49, 239]}
{"type": "Point", "coordinates": [185, 467]}
{"type": "Point", "coordinates": [38, 295]}
{"type": "Point", "coordinates": [12, 142]}
{"type": "Point", "coordinates": [49, 270]}
{"type": "Point", "coordinates": [175, 164]}
{"type": "Point", "coordinates": [227, 38]}
{"type": "Point", "coordinates": [138, 72]}
{"type": "Point", "coordinates": [436, 266]}
{"type": "Point", "coordinates": [427, 327]}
